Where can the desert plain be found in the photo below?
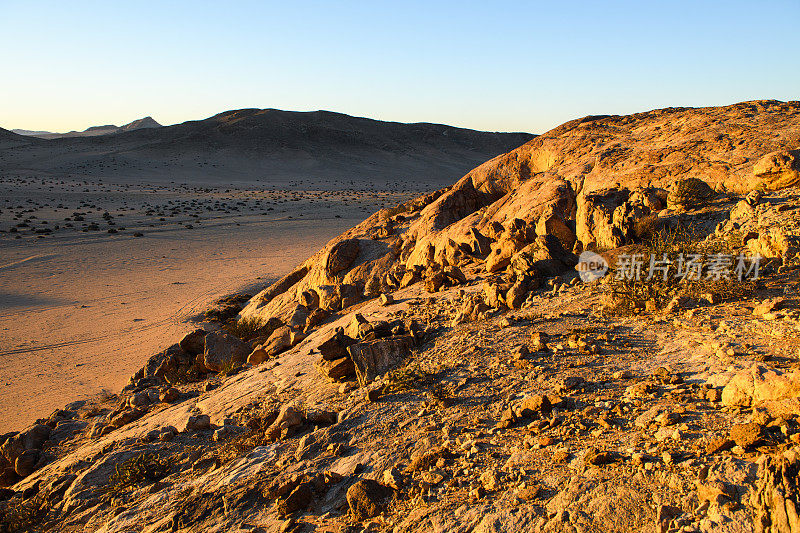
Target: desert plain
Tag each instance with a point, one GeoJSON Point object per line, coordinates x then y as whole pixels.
{"type": "Point", "coordinates": [97, 274]}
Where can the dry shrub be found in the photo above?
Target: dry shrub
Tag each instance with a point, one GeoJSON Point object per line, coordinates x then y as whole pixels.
{"type": "Point", "coordinates": [630, 296]}
{"type": "Point", "coordinates": [252, 328]}
{"type": "Point", "coordinates": [140, 470]}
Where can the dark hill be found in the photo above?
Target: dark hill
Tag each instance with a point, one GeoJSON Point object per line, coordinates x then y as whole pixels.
{"type": "Point", "coordinates": [273, 145]}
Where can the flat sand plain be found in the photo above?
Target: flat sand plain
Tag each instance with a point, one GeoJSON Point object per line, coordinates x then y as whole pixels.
{"type": "Point", "coordinates": [96, 277]}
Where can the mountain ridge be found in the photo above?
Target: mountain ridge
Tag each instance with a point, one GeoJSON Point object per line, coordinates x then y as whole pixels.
{"type": "Point", "coordinates": [107, 129]}
{"type": "Point", "coordinates": [278, 144]}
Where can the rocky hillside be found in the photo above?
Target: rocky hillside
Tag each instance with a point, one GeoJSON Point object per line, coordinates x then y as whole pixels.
{"type": "Point", "coordinates": [271, 145]}
{"type": "Point", "coordinates": [586, 184]}
{"type": "Point", "coordinates": [9, 139]}
{"type": "Point", "coordinates": [443, 367]}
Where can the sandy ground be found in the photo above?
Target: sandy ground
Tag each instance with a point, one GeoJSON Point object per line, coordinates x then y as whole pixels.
{"type": "Point", "coordinates": [82, 308]}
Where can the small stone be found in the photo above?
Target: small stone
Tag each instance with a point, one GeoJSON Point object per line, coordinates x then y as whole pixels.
{"type": "Point", "coordinates": [300, 498]}
{"type": "Point", "coordinates": [477, 493]}
{"type": "Point", "coordinates": [527, 494]}
{"type": "Point", "coordinates": [226, 432]}
{"type": "Point", "coordinates": [520, 353]}
{"type": "Point", "coordinates": [535, 405]}
{"type": "Point", "coordinates": [289, 416]}
{"type": "Point", "coordinates": [718, 445]}
{"type": "Point", "coordinates": [490, 480]}
{"type": "Point", "coordinates": [367, 499]}
{"type": "Point", "coordinates": [546, 441]}
{"type": "Point", "coordinates": [571, 383]}
{"type": "Point", "coordinates": [746, 435]}
{"type": "Point", "coordinates": [623, 374]}
{"type": "Point", "coordinates": [714, 395]}
{"type": "Point", "coordinates": [347, 387]}
{"type": "Point", "coordinates": [432, 478]}
{"type": "Point", "coordinates": [198, 423]}
{"type": "Point", "coordinates": [169, 395]}
{"type": "Point", "coordinates": [393, 478]}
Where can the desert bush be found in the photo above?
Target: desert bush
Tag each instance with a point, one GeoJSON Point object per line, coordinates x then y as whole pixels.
{"type": "Point", "coordinates": [139, 470]}
{"type": "Point", "coordinates": [229, 367]}
{"type": "Point", "coordinates": [183, 374]}
{"type": "Point", "coordinates": [251, 328]}
{"type": "Point", "coordinates": [409, 377]}
{"type": "Point", "coordinates": [227, 307]}
{"type": "Point", "coordinates": [259, 425]}
{"type": "Point", "coordinates": [647, 228]}
{"type": "Point", "coordinates": [631, 295]}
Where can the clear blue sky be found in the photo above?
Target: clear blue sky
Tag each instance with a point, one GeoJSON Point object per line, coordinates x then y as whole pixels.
{"type": "Point", "coordinates": [499, 65]}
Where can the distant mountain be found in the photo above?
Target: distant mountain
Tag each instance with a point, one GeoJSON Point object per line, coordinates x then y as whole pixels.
{"type": "Point", "coordinates": [10, 139]}
{"type": "Point", "coordinates": [271, 144]}
{"type": "Point", "coordinates": [146, 122]}
{"type": "Point", "coordinates": [31, 133]}
{"type": "Point", "coordinates": [142, 123]}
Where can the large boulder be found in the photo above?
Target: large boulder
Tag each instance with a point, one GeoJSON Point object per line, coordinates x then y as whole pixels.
{"type": "Point", "coordinates": [337, 369]}
{"type": "Point", "coordinates": [690, 193]}
{"type": "Point", "coordinates": [222, 350]}
{"type": "Point", "coordinates": [341, 256]}
{"type": "Point", "coordinates": [776, 242]}
{"type": "Point", "coordinates": [542, 258]}
{"type": "Point", "coordinates": [594, 224]}
{"type": "Point", "coordinates": [32, 438]}
{"type": "Point", "coordinates": [552, 222]}
{"type": "Point", "coordinates": [335, 345]}
{"type": "Point", "coordinates": [373, 358]}
{"type": "Point", "coordinates": [761, 386]}
{"type": "Point", "coordinates": [776, 495]}
{"type": "Point", "coordinates": [279, 341]}
{"type": "Point", "coordinates": [502, 252]}
{"type": "Point", "coordinates": [778, 170]}
{"type": "Point", "coordinates": [194, 342]}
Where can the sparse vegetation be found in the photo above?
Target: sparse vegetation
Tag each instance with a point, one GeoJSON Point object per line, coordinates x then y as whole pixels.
{"type": "Point", "coordinates": [674, 252]}
{"type": "Point", "coordinates": [227, 307]}
{"type": "Point", "coordinates": [251, 328]}
{"type": "Point", "coordinates": [409, 377]}
{"type": "Point", "coordinates": [182, 374]}
{"type": "Point", "coordinates": [229, 367]}
{"type": "Point", "coordinates": [139, 470]}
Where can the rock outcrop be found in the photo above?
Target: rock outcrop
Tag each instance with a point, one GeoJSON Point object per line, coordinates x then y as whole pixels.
{"type": "Point", "coordinates": [594, 183]}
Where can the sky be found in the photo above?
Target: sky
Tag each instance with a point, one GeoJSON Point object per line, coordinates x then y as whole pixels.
{"type": "Point", "coordinates": [497, 66]}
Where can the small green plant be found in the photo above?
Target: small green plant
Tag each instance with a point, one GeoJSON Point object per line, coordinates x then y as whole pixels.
{"type": "Point", "coordinates": [229, 367]}
{"type": "Point", "coordinates": [139, 470]}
